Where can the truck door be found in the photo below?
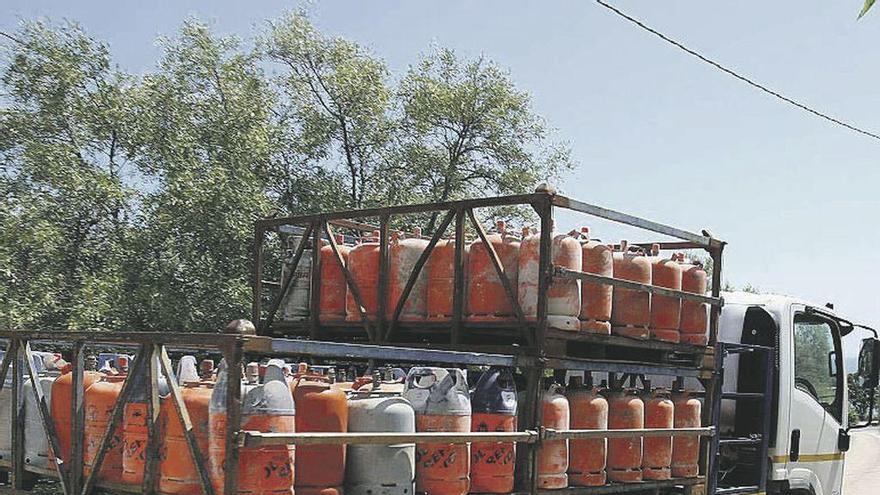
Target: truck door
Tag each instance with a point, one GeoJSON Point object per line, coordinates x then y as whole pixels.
{"type": "Point", "coordinates": [817, 404]}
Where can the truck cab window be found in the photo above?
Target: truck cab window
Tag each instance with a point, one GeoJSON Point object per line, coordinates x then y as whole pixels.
{"type": "Point", "coordinates": [816, 361]}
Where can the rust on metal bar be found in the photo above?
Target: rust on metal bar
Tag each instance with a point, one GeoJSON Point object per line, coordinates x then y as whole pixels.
{"type": "Point", "coordinates": [115, 419]}
{"type": "Point", "coordinates": [417, 270]}
{"type": "Point", "coordinates": [405, 209]}
{"type": "Point", "coordinates": [285, 285]}
{"type": "Point", "coordinates": [315, 283]}
{"type": "Point", "coordinates": [382, 305]}
{"type": "Point", "coordinates": [195, 453]}
{"type": "Point", "coordinates": [458, 278]}
{"type": "Point", "coordinates": [257, 273]}
{"type": "Point", "coordinates": [234, 355]}
{"type": "Point", "coordinates": [351, 282]}
{"type": "Point", "coordinates": [551, 434]}
{"type": "Point", "coordinates": [77, 419]}
{"type": "Point", "coordinates": [509, 290]}
{"type": "Point", "coordinates": [151, 463]}
{"type": "Point", "coordinates": [616, 216]}
{"type": "Point", "coordinates": [627, 284]}
{"type": "Point", "coordinates": [259, 439]}
{"type": "Point", "coordinates": [45, 417]}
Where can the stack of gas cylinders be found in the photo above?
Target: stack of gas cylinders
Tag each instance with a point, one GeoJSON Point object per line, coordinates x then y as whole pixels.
{"type": "Point", "coordinates": [571, 304]}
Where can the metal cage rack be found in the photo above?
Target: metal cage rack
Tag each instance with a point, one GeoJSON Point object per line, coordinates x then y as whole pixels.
{"type": "Point", "coordinates": [539, 350]}
{"type": "Point", "coordinates": [532, 346]}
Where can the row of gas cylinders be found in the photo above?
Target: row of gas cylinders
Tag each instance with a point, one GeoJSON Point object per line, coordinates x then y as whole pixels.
{"type": "Point", "coordinates": [274, 399]}
{"type": "Point", "coordinates": [572, 305]}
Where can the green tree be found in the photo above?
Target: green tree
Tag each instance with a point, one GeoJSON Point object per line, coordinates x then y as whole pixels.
{"type": "Point", "coordinates": [337, 100]}
{"type": "Point", "coordinates": [467, 130]}
{"type": "Point", "coordinates": [64, 223]}
{"type": "Point", "coordinates": [206, 138]}
{"type": "Point", "coordinates": [866, 7]}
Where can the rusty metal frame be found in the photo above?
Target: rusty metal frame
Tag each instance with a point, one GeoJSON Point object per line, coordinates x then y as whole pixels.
{"type": "Point", "coordinates": [153, 356]}
{"type": "Point", "coordinates": [535, 334]}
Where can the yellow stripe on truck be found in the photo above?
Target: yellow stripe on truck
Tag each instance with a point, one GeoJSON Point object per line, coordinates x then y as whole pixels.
{"type": "Point", "coordinates": [781, 459]}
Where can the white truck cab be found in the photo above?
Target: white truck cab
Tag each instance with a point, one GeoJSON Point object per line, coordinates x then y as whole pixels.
{"type": "Point", "coordinates": [808, 433]}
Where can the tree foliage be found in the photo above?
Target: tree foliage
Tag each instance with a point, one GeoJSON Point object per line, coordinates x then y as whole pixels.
{"type": "Point", "coordinates": [128, 201]}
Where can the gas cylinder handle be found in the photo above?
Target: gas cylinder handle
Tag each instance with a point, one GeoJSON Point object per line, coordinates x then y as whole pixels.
{"type": "Point", "coordinates": [311, 376]}
{"type": "Point", "coordinates": [413, 382]}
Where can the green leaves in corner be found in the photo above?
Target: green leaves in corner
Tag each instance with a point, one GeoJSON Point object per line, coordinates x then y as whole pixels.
{"type": "Point", "coordinates": [866, 7]}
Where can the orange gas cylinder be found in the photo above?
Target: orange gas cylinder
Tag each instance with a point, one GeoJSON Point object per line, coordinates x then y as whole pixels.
{"type": "Point", "coordinates": [333, 286]}
{"type": "Point", "coordinates": [686, 449]}
{"type": "Point", "coordinates": [564, 294]}
{"type": "Point", "coordinates": [319, 408]}
{"type": "Point", "coordinates": [694, 315]}
{"type": "Point", "coordinates": [441, 402]}
{"type": "Point", "coordinates": [625, 411]}
{"type": "Point", "coordinates": [403, 253]}
{"type": "Point", "coordinates": [494, 409]}
{"type": "Point", "coordinates": [177, 472]}
{"type": "Point", "coordinates": [441, 272]}
{"type": "Point", "coordinates": [589, 411]}
{"type": "Point", "coordinates": [486, 298]}
{"type": "Point", "coordinates": [363, 263]}
{"type": "Point", "coordinates": [657, 451]}
{"type": "Point", "coordinates": [98, 403]}
{"type": "Point", "coordinates": [134, 431]}
{"type": "Point", "coordinates": [631, 310]}
{"type": "Point", "coordinates": [596, 298]}
{"type": "Point", "coordinates": [267, 408]}
{"type": "Point", "coordinates": [553, 454]}
{"type": "Point", "coordinates": [62, 397]}
{"type": "Point", "coordinates": [665, 310]}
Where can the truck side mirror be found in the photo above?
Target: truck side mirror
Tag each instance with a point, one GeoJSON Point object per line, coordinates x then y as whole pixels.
{"type": "Point", "coordinates": [869, 363]}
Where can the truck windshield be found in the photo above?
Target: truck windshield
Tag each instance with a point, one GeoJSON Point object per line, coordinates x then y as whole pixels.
{"type": "Point", "coordinates": [817, 360]}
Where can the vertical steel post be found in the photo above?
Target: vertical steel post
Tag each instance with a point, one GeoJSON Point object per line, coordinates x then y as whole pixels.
{"type": "Point", "coordinates": [77, 417]}
{"type": "Point", "coordinates": [713, 412]}
{"type": "Point", "coordinates": [234, 356]}
{"type": "Point", "coordinates": [17, 417]}
{"type": "Point", "coordinates": [315, 281]}
{"type": "Point", "coordinates": [766, 415]}
{"type": "Point", "coordinates": [151, 463]}
{"type": "Point", "coordinates": [257, 275]}
{"type": "Point", "coordinates": [458, 278]}
{"type": "Point", "coordinates": [715, 311]}
{"type": "Point", "coordinates": [383, 277]}
{"type": "Point", "coordinates": [545, 267]}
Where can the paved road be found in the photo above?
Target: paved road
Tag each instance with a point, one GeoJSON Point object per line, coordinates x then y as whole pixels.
{"type": "Point", "coordinates": [861, 475]}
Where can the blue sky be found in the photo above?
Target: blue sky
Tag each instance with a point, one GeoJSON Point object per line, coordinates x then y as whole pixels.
{"type": "Point", "coordinates": [655, 133]}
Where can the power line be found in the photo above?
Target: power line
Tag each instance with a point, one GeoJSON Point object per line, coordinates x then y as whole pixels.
{"type": "Point", "coordinates": [731, 72]}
